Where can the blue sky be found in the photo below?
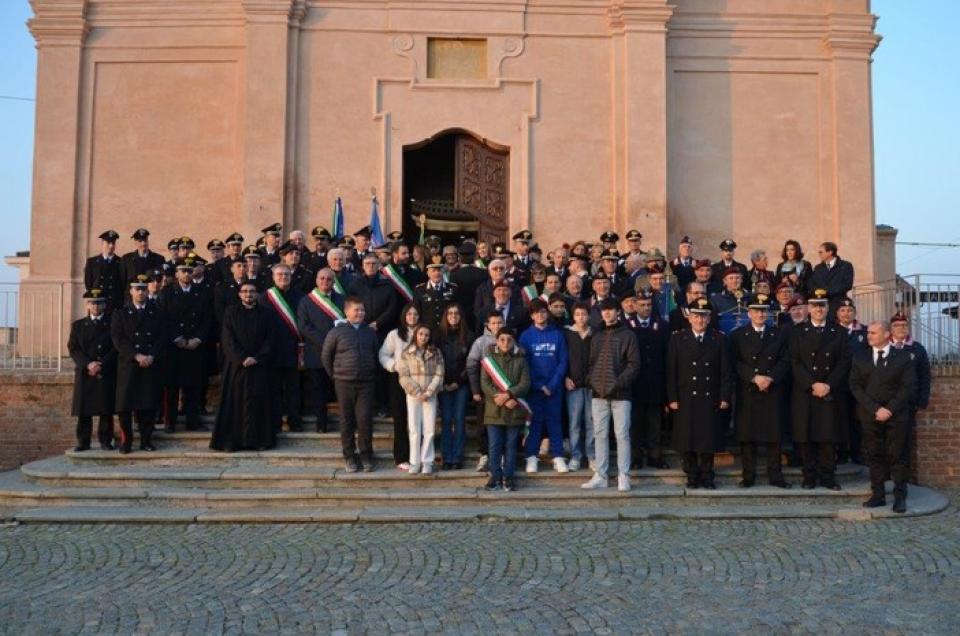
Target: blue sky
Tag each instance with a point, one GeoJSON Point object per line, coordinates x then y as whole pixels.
{"type": "Point", "coordinates": [916, 88]}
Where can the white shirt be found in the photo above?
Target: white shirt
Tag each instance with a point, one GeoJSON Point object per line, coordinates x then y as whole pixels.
{"type": "Point", "coordinates": [876, 352]}
{"type": "Point", "coordinates": [831, 262]}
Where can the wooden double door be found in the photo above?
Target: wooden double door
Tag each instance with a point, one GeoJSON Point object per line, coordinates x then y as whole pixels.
{"type": "Point", "coordinates": [481, 186]}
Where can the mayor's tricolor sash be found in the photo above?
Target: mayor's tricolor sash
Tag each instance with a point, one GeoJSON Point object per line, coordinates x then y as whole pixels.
{"type": "Point", "coordinates": [529, 293]}
{"type": "Point", "coordinates": [500, 380]}
{"type": "Point", "coordinates": [392, 275]}
{"type": "Point", "coordinates": [337, 287]}
{"type": "Point", "coordinates": [289, 319]}
{"type": "Point", "coordinates": [326, 305]}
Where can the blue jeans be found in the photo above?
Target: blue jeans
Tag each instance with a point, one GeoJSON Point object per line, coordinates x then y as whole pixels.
{"type": "Point", "coordinates": [602, 411]}
{"type": "Point", "coordinates": [453, 413]}
{"type": "Point", "coordinates": [546, 418]}
{"type": "Point", "coordinates": [503, 447]}
{"type": "Point", "coordinates": [581, 417]}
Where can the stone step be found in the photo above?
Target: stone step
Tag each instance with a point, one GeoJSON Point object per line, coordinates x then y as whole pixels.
{"type": "Point", "coordinates": [254, 473]}
{"type": "Point", "coordinates": [156, 506]}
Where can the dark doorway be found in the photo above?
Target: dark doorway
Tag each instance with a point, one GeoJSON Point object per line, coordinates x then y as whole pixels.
{"type": "Point", "coordinates": [457, 185]}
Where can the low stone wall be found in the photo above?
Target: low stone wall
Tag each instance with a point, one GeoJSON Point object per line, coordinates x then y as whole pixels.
{"type": "Point", "coordinates": [35, 423]}
{"type": "Point", "coordinates": [936, 457]}
{"type": "Point", "coordinates": [35, 417]}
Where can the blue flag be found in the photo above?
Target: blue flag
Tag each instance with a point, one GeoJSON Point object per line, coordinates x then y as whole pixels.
{"type": "Point", "coordinates": [376, 232]}
{"type": "Point", "coordinates": [337, 229]}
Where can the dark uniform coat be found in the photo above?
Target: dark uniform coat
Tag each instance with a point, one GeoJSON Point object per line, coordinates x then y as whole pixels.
{"type": "Point", "coordinates": [107, 276]}
{"type": "Point", "coordinates": [718, 268]}
{"type": "Point", "coordinates": [818, 355]}
{"type": "Point", "coordinates": [189, 315]}
{"type": "Point", "coordinates": [758, 414]}
{"type": "Point", "coordinates": [699, 377]}
{"type": "Point", "coordinates": [650, 386]}
{"type": "Point", "coordinates": [132, 264]}
{"type": "Point", "coordinates": [90, 342]}
{"type": "Point", "coordinates": [138, 331]}
{"type": "Point", "coordinates": [432, 301]}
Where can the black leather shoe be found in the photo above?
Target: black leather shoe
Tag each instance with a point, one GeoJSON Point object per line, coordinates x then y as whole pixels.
{"type": "Point", "coordinates": [781, 484]}
{"type": "Point", "coordinates": [169, 428]}
{"type": "Point", "coordinates": [321, 426]}
{"type": "Point", "coordinates": [295, 427]}
{"type": "Point", "coordinates": [746, 483]}
{"type": "Point", "coordinates": [81, 448]}
{"type": "Point", "coordinates": [808, 485]}
{"type": "Point", "coordinates": [900, 505]}
{"type": "Point", "coordinates": [709, 485]}
{"type": "Point", "coordinates": [833, 486]}
{"type": "Point", "coordinates": [874, 502]}
{"type": "Point", "coordinates": [107, 446]}
{"type": "Point", "coordinates": [124, 450]}
{"type": "Point", "coordinates": [658, 464]}
{"type": "Point", "coordinates": [693, 483]}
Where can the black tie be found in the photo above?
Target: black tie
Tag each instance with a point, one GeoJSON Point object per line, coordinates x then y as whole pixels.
{"type": "Point", "coordinates": [700, 339]}
{"type": "Point", "coordinates": [879, 358]}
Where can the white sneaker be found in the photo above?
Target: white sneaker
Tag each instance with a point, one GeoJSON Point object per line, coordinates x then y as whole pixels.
{"type": "Point", "coordinates": [574, 465]}
{"type": "Point", "coordinates": [428, 469]}
{"type": "Point", "coordinates": [413, 469]}
{"type": "Point", "coordinates": [560, 465]}
{"type": "Point", "coordinates": [532, 464]}
{"type": "Point", "coordinates": [596, 482]}
{"type": "Point", "coordinates": [482, 464]}
{"type": "Point", "coordinates": [623, 483]}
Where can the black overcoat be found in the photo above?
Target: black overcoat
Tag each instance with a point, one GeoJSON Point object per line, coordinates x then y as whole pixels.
{"type": "Point", "coordinates": [758, 414]}
{"type": "Point", "coordinates": [90, 342]}
{"type": "Point", "coordinates": [699, 377]}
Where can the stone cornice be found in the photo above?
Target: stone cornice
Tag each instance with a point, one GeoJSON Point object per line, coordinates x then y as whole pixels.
{"type": "Point", "coordinates": [273, 11]}
{"type": "Point", "coordinates": [851, 36]}
{"type": "Point", "coordinates": [59, 22]}
{"type": "Point", "coordinates": [639, 15]}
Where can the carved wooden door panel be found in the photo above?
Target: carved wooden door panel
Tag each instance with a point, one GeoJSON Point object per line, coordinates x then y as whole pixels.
{"type": "Point", "coordinates": [482, 180]}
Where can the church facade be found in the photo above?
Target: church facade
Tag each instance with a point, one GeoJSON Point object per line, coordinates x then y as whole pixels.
{"type": "Point", "coordinates": [709, 118]}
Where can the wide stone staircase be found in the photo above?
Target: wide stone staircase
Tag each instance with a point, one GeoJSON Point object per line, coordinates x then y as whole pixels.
{"type": "Point", "coordinates": [303, 480]}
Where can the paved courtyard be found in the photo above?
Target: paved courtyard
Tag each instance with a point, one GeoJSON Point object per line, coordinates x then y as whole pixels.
{"type": "Point", "coordinates": [783, 576]}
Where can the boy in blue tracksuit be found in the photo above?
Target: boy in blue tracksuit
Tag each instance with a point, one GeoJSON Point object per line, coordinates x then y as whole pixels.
{"type": "Point", "coordinates": [546, 349]}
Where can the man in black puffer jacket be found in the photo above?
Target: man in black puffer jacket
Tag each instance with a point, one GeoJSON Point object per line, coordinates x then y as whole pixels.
{"type": "Point", "coordinates": [614, 363]}
{"type": "Point", "coordinates": [350, 358]}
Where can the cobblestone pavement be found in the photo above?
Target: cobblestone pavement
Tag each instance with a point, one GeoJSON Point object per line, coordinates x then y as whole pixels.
{"type": "Point", "coordinates": [783, 576]}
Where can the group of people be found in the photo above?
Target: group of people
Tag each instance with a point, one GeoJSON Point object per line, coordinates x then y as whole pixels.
{"type": "Point", "coordinates": [554, 349]}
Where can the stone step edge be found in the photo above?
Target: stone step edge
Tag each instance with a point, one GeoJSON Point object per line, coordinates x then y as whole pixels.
{"type": "Point", "coordinates": [921, 502]}
{"type": "Point", "coordinates": [464, 493]}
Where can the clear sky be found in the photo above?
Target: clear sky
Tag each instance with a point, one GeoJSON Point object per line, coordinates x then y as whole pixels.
{"type": "Point", "coordinates": [916, 88]}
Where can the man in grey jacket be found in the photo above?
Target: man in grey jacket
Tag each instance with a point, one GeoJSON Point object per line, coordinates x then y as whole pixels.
{"type": "Point", "coordinates": [350, 358]}
{"type": "Point", "coordinates": [493, 324]}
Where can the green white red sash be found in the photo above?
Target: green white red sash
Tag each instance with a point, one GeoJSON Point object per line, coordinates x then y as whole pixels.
{"type": "Point", "coordinates": [337, 287]}
{"type": "Point", "coordinates": [397, 281]}
{"type": "Point", "coordinates": [283, 308]}
{"type": "Point", "coordinates": [500, 380]}
{"type": "Point", "coordinates": [326, 305]}
{"type": "Point", "coordinates": [289, 319]}
{"type": "Point", "coordinates": [529, 293]}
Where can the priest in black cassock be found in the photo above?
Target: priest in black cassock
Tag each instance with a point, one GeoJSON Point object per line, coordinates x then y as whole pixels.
{"type": "Point", "coordinates": [243, 418]}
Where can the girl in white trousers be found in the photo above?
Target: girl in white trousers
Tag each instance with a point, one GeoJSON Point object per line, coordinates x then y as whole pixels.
{"type": "Point", "coordinates": [420, 369]}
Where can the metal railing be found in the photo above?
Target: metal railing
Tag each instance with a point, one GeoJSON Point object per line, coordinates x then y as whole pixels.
{"type": "Point", "coordinates": [31, 327]}
{"type": "Point", "coordinates": [930, 301]}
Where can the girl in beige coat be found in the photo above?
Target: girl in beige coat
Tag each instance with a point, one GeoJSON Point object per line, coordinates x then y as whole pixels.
{"type": "Point", "coordinates": [420, 367]}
